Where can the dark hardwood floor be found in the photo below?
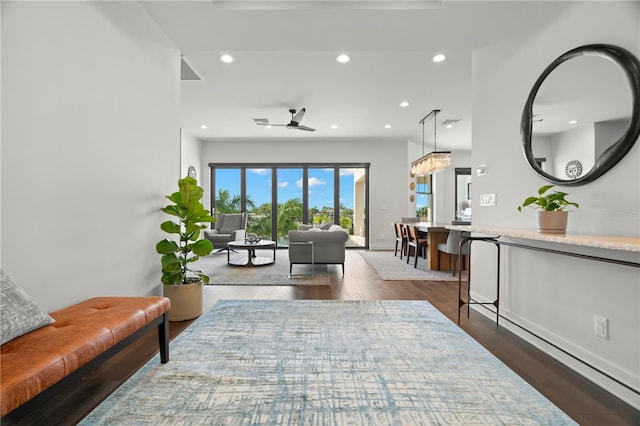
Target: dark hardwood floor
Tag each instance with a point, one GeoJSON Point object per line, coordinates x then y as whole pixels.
{"type": "Point", "coordinates": [585, 402]}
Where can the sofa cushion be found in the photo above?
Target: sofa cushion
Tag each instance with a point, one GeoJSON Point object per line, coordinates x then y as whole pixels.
{"type": "Point", "coordinates": [232, 222]}
{"type": "Point", "coordinates": [19, 314]}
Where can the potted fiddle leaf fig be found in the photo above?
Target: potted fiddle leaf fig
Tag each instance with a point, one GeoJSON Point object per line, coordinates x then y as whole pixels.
{"type": "Point", "coordinates": [551, 216]}
{"type": "Point", "coordinates": [181, 284]}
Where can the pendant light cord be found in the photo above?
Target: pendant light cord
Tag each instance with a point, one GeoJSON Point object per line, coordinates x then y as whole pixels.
{"type": "Point", "coordinates": [423, 138]}
{"type": "Point", "coordinates": [435, 119]}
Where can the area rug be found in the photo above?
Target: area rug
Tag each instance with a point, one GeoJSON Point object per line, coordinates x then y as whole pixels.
{"type": "Point", "coordinates": [276, 362]}
{"type": "Point", "coordinates": [391, 268]}
{"type": "Point", "coordinates": [215, 265]}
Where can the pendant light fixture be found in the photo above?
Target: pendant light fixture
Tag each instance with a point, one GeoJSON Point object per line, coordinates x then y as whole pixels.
{"type": "Point", "coordinates": [434, 161]}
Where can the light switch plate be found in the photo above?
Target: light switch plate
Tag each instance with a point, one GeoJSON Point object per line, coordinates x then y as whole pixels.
{"type": "Point", "coordinates": [487, 200]}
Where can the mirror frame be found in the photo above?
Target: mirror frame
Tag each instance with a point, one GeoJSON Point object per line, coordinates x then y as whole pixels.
{"type": "Point", "coordinates": [612, 155]}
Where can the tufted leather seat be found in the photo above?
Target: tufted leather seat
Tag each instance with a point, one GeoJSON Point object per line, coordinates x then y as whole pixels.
{"type": "Point", "coordinates": [31, 363]}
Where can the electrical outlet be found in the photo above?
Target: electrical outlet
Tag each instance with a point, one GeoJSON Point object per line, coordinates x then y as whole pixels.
{"type": "Point", "coordinates": [601, 326]}
{"type": "Point", "coordinates": [487, 200]}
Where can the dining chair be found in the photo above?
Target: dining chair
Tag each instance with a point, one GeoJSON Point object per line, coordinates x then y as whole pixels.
{"type": "Point", "coordinates": [452, 247]}
{"type": "Point", "coordinates": [410, 219]}
{"type": "Point", "coordinates": [415, 241]}
{"type": "Point", "coordinates": [401, 237]}
{"type": "Point", "coordinates": [421, 234]}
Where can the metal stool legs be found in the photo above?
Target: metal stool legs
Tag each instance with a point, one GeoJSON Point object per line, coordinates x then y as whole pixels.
{"type": "Point", "coordinates": [468, 239]}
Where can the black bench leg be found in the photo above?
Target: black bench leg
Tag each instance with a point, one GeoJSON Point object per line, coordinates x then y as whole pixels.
{"type": "Point", "coordinates": [163, 338]}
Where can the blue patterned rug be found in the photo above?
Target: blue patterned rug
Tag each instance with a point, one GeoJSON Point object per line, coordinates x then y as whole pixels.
{"type": "Point", "coordinates": [256, 362]}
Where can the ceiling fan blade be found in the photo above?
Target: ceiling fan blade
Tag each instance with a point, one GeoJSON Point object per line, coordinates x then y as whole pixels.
{"type": "Point", "coordinates": [298, 117]}
{"type": "Point", "coordinates": [261, 121]}
{"type": "Point", "coordinates": [293, 124]}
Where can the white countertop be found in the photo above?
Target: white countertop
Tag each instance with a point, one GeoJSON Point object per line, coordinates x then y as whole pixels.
{"type": "Point", "coordinates": [612, 242]}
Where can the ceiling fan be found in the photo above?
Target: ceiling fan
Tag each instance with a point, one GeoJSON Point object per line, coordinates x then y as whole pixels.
{"type": "Point", "coordinates": [294, 124]}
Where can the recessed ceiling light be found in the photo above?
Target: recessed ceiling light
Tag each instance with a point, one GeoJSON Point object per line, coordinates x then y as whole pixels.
{"type": "Point", "coordinates": [268, 126]}
{"type": "Point", "coordinates": [573, 121]}
{"type": "Point", "coordinates": [343, 58]}
{"type": "Point", "coordinates": [334, 126]}
{"type": "Point", "coordinates": [387, 126]}
{"type": "Point", "coordinates": [204, 126]}
{"type": "Point", "coordinates": [227, 59]}
{"type": "Point", "coordinates": [439, 57]}
{"type": "Point", "coordinates": [404, 104]}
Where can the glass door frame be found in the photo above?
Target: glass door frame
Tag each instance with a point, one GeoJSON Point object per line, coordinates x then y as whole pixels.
{"type": "Point", "coordinates": [305, 188]}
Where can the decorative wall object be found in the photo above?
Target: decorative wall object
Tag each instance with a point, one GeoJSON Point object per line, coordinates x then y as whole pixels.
{"type": "Point", "coordinates": [616, 99]}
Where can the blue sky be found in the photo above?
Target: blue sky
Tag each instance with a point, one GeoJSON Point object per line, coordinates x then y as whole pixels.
{"type": "Point", "coordinates": [289, 185]}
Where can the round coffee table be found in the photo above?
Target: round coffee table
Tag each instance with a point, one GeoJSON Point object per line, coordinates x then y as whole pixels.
{"type": "Point", "coordinates": [252, 260]}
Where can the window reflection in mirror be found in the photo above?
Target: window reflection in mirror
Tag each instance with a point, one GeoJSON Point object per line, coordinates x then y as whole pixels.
{"type": "Point", "coordinates": [582, 108]}
{"type": "Point", "coordinates": [463, 195]}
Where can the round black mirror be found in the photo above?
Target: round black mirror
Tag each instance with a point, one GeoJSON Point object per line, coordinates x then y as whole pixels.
{"type": "Point", "coordinates": [582, 115]}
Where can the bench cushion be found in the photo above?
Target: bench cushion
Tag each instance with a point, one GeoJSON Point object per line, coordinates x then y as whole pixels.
{"type": "Point", "coordinates": [35, 361]}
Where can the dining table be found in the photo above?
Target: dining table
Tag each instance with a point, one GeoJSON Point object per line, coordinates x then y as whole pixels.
{"type": "Point", "coordinates": [436, 233]}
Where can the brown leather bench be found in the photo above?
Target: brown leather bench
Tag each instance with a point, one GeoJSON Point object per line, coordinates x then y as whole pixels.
{"type": "Point", "coordinates": [37, 364]}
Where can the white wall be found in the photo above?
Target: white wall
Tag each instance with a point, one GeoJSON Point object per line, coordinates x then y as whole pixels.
{"type": "Point", "coordinates": [557, 296]}
{"type": "Point", "coordinates": [575, 144]}
{"type": "Point", "coordinates": [388, 172]}
{"type": "Point", "coordinates": [190, 155]}
{"type": "Point", "coordinates": [90, 146]}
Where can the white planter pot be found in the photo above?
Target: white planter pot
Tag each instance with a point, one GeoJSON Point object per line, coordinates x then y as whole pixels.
{"type": "Point", "coordinates": [552, 222]}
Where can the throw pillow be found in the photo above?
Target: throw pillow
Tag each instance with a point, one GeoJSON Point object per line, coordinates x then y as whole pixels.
{"type": "Point", "coordinates": [19, 314]}
{"type": "Point", "coordinates": [325, 226]}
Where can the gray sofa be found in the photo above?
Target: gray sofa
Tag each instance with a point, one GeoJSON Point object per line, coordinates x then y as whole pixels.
{"type": "Point", "coordinates": [328, 245]}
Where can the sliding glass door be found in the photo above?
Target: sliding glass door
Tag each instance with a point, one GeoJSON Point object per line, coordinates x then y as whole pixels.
{"type": "Point", "coordinates": [353, 203]}
{"type": "Point", "coordinates": [277, 198]}
{"type": "Point", "coordinates": [320, 195]}
{"type": "Point", "coordinates": [289, 195]}
{"type": "Point", "coordinates": [259, 201]}
{"type": "Point", "coordinates": [228, 198]}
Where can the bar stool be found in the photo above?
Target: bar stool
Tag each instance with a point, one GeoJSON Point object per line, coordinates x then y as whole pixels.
{"type": "Point", "coordinates": [467, 239]}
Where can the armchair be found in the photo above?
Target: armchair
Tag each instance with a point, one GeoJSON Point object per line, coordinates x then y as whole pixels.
{"type": "Point", "coordinates": [229, 227]}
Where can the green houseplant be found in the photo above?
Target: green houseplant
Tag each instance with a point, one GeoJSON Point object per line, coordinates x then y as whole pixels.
{"type": "Point", "coordinates": [552, 216]}
{"type": "Point", "coordinates": [182, 284]}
